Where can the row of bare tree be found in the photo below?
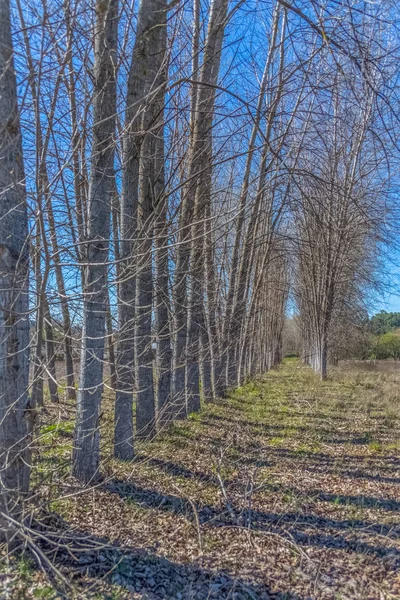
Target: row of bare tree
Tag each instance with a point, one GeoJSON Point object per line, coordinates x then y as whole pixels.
{"type": "Point", "coordinates": [170, 174]}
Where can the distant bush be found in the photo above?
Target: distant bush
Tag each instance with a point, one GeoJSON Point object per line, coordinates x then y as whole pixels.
{"type": "Point", "coordinates": [387, 346]}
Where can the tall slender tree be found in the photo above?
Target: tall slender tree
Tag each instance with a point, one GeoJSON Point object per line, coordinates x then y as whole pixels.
{"type": "Point", "coordinates": [190, 257]}
{"type": "Point", "coordinates": [142, 177]}
{"type": "Point", "coordinates": [86, 440]}
{"type": "Point", "coordinates": [15, 411]}
{"type": "Point", "coordinates": [150, 69]}
{"type": "Point", "coordinates": [161, 301]}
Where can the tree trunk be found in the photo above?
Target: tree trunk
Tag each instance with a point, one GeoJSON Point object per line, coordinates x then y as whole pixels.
{"type": "Point", "coordinates": [240, 221]}
{"type": "Point", "coordinates": [199, 197]}
{"type": "Point", "coordinates": [123, 432]}
{"type": "Point", "coordinates": [15, 417]}
{"type": "Point", "coordinates": [44, 188]}
{"type": "Point", "coordinates": [86, 456]}
{"type": "Point", "coordinates": [50, 353]}
{"type": "Point", "coordinates": [151, 182]}
{"type": "Point", "coordinates": [161, 292]}
{"type": "Point", "coordinates": [110, 344]}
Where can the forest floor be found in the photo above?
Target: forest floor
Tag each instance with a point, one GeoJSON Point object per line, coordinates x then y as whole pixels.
{"type": "Point", "coordinates": [287, 489]}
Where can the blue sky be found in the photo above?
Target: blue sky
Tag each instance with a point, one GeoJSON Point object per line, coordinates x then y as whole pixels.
{"type": "Point", "coordinates": [390, 302]}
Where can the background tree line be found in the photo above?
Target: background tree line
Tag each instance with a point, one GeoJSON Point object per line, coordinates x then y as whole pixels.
{"type": "Point", "coordinates": [360, 338]}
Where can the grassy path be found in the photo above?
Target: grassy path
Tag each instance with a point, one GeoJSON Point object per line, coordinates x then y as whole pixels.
{"type": "Point", "coordinates": [287, 489]}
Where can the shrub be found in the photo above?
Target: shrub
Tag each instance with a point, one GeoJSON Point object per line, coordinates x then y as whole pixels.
{"type": "Point", "coordinates": [387, 346]}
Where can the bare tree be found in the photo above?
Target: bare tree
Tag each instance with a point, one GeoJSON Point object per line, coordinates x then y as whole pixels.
{"type": "Point", "coordinates": [161, 300]}
{"type": "Point", "coordinates": [333, 214]}
{"type": "Point", "coordinates": [152, 31]}
{"type": "Point", "coordinates": [190, 257]}
{"type": "Point", "coordinates": [15, 411]}
{"type": "Point", "coordinates": [86, 442]}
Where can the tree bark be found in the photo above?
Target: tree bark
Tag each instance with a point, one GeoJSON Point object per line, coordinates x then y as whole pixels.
{"type": "Point", "coordinates": [161, 291]}
{"type": "Point", "coordinates": [44, 188]}
{"type": "Point", "coordinates": [191, 254]}
{"type": "Point", "coordinates": [126, 359]}
{"type": "Point", "coordinates": [15, 417]}
{"type": "Point", "coordinates": [86, 456]}
{"type": "Point", "coordinates": [50, 353]}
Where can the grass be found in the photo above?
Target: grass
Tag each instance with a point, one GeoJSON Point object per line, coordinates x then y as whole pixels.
{"type": "Point", "coordinates": [288, 488]}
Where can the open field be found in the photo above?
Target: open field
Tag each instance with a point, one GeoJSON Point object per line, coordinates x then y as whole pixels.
{"type": "Point", "coordinates": [287, 489]}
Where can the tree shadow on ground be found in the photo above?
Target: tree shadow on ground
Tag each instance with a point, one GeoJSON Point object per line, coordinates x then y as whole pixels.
{"type": "Point", "coordinates": [311, 461]}
{"type": "Point", "coordinates": [326, 435]}
{"type": "Point", "coordinates": [178, 470]}
{"type": "Point", "coordinates": [316, 416]}
{"type": "Point", "coordinates": [359, 500]}
{"type": "Point", "coordinates": [340, 465]}
{"type": "Point", "coordinates": [296, 527]}
{"type": "Point", "coordinates": [258, 427]}
{"type": "Point", "coordinates": [319, 459]}
{"type": "Point", "coordinates": [360, 474]}
{"type": "Point", "coordinates": [88, 562]}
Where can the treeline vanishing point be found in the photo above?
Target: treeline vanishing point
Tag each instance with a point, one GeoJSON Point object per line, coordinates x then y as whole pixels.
{"type": "Point", "coordinates": [173, 175]}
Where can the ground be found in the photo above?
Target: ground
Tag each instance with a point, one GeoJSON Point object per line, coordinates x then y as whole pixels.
{"type": "Point", "coordinates": [286, 489]}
